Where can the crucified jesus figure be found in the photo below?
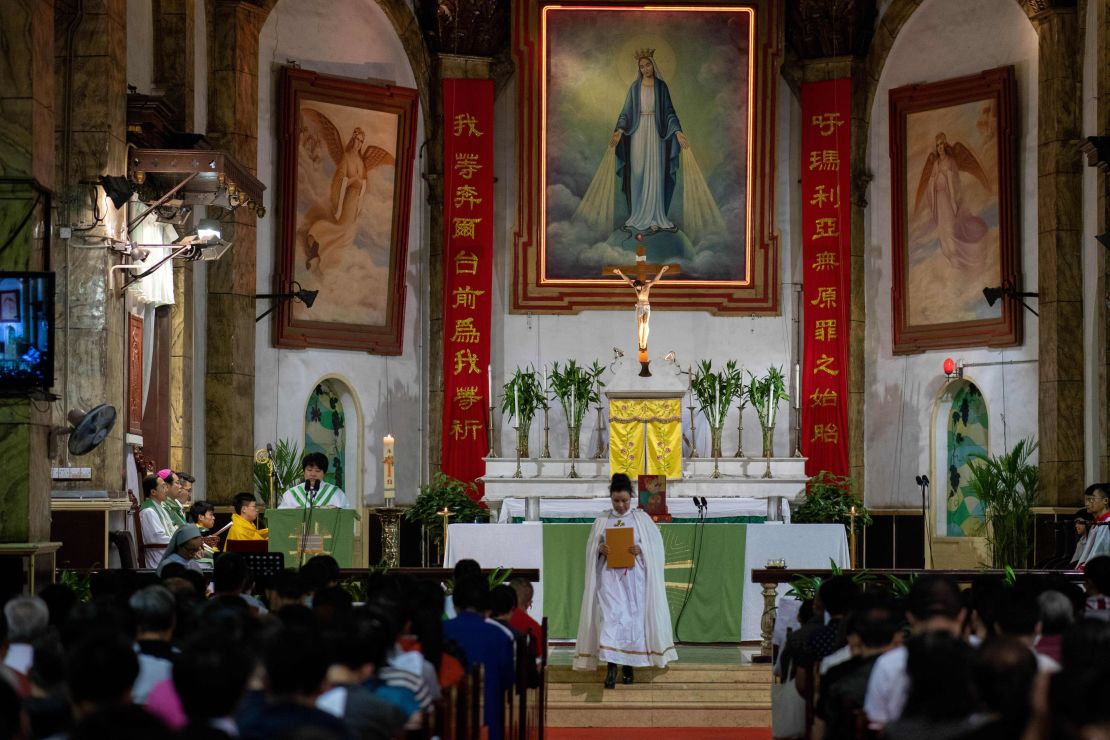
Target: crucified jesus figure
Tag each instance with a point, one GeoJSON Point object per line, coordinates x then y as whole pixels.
{"type": "Point", "coordinates": [641, 283]}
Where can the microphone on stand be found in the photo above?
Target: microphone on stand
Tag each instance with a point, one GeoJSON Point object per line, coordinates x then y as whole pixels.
{"type": "Point", "coordinates": [704, 507]}
{"type": "Point", "coordinates": [270, 451]}
{"type": "Point", "coordinates": [697, 503]}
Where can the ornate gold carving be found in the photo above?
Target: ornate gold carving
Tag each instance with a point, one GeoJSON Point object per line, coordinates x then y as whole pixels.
{"type": "Point", "coordinates": [466, 27]}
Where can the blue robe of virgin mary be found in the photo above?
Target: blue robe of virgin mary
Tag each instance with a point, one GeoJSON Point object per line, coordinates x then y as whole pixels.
{"type": "Point", "coordinates": [666, 123]}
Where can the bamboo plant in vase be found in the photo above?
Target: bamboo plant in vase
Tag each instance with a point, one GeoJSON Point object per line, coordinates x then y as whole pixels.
{"type": "Point", "coordinates": [576, 387]}
{"type": "Point", "coordinates": [522, 398]}
{"type": "Point", "coordinates": [715, 392]}
{"type": "Point", "coordinates": [764, 395]}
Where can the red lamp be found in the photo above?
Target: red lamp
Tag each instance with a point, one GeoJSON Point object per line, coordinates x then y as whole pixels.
{"type": "Point", "coordinates": [949, 366]}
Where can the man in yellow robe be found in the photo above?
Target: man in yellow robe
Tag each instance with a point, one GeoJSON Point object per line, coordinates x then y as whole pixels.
{"type": "Point", "coordinates": [243, 525]}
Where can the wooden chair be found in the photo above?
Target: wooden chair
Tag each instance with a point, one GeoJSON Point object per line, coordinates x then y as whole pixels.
{"type": "Point", "coordinates": [140, 545]}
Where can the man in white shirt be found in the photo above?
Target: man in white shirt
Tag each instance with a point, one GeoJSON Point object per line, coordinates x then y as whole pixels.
{"type": "Point", "coordinates": [28, 618]}
{"type": "Point", "coordinates": [933, 604]}
{"type": "Point", "coordinates": [1097, 500]}
{"type": "Point", "coordinates": [157, 525]}
{"type": "Point", "coordinates": [314, 492]}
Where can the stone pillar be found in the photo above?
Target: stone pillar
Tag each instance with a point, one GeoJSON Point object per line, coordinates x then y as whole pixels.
{"type": "Point", "coordinates": [174, 56]}
{"type": "Point", "coordinates": [26, 156]}
{"type": "Point", "coordinates": [1101, 397]}
{"type": "Point", "coordinates": [233, 28]}
{"type": "Point", "coordinates": [1059, 262]}
{"type": "Point", "coordinates": [181, 368]}
{"type": "Point", "coordinates": [90, 44]}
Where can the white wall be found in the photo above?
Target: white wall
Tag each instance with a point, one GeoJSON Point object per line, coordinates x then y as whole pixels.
{"type": "Point", "coordinates": [350, 38]}
{"type": "Point", "coordinates": [757, 343]}
{"type": "Point", "coordinates": [944, 39]}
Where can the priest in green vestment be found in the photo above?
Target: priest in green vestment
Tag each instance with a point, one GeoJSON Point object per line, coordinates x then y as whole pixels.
{"type": "Point", "coordinates": [314, 492]}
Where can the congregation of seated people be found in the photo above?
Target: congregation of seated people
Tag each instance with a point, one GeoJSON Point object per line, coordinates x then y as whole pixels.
{"type": "Point", "coordinates": [191, 654]}
{"type": "Point", "coordinates": [1025, 658]}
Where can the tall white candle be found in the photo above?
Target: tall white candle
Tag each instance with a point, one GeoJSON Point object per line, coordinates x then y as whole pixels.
{"type": "Point", "coordinates": [388, 464]}
{"type": "Point", "coordinates": [570, 421]}
{"type": "Point", "coordinates": [797, 385]}
{"type": "Point", "coordinates": [489, 380]}
{"type": "Point", "coordinates": [544, 370]}
{"type": "Point", "coordinates": [516, 403]}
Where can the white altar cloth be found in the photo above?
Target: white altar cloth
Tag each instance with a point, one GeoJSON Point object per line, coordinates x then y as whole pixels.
{"type": "Point", "coordinates": [678, 507]}
{"type": "Point", "coordinates": [803, 546]}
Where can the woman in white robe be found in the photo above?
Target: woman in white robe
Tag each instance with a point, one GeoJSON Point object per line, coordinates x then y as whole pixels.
{"type": "Point", "coordinates": [625, 619]}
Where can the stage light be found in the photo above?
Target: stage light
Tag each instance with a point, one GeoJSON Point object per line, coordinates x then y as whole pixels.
{"type": "Point", "coordinates": [118, 189]}
{"type": "Point", "coordinates": [1008, 291]}
{"type": "Point", "coordinates": [992, 295]}
{"type": "Point", "coordinates": [1104, 239]}
{"type": "Point", "coordinates": [208, 229]}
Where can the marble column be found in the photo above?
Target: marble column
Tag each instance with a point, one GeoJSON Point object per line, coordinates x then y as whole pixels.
{"type": "Point", "coordinates": [26, 156]}
{"type": "Point", "coordinates": [233, 28]}
{"type": "Point", "coordinates": [90, 46]}
{"type": "Point", "coordinates": [1059, 262]}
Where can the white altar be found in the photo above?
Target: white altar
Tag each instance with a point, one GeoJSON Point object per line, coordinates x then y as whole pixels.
{"type": "Point", "coordinates": [767, 482]}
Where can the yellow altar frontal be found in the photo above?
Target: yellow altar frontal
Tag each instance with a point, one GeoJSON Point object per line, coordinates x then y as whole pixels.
{"type": "Point", "coordinates": [645, 436]}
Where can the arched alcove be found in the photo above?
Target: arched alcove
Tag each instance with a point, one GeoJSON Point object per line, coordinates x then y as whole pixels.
{"type": "Point", "coordinates": [961, 429]}
{"type": "Point", "coordinates": [333, 426]}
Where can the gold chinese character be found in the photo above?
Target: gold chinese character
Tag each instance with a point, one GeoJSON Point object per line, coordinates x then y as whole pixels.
{"type": "Point", "coordinates": [826, 227]}
{"type": "Point", "coordinates": [825, 159]}
{"type": "Point", "coordinates": [465, 332]}
{"type": "Point", "coordinates": [823, 397]}
{"type": "Point", "coordinates": [824, 365]}
{"type": "Point", "coordinates": [826, 298]}
{"type": "Point", "coordinates": [824, 195]}
{"type": "Point", "coordinates": [467, 164]}
{"type": "Point", "coordinates": [466, 396]}
{"type": "Point", "coordinates": [466, 195]}
{"type": "Point", "coordinates": [466, 263]}
{"type": "Point", "coordinates": [465, 429]}
{"type": "Point", "coordinates": [824, 261]}
{"type": "Point", "coordinates": [464, 227]}
{"type": "Point", "coordinates": [827, 122]}
{"type": "Point", "coordinates": [468, 123]}
{"type": "Point", "coordinates": [825, 433]}
{"type": "Point", "coordinates": [464, 358]}
{"type": "Point", "coordinates": [464, 297]}
{"type": "Point", "coordinates": [824, 330]}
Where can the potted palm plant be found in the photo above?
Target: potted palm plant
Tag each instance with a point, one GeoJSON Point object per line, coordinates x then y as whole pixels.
{"type": "Point", "coordinates": [523, 397]}
{"type": "Point", "coordinates": [764, 394]}
{"type": "Point", "coordinates": [576, 387]}
{"type": "Point", "coordinates": [287, 468]}
{"type": "Point", "coordinates": [715, 392]}
{"type": "Point", "coordinates": [1007, 485]}
{"type": "Point", "coordinates": [445, 492]}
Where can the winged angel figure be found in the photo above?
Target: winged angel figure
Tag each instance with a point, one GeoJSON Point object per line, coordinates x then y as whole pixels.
{"type": "Point", "coordinates": [959, 231]}
{"type": "Point", "coordinates": [332, 224]}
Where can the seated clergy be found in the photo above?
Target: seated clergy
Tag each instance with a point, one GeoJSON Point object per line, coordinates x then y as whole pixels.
{"type": "Point", "coordinates": [314, 492]}
{"type": "Point", "coordinates": [174, 494]}
{"type": "Point", "coordinates": [155, 520]}
{"type": "Point", "coordinates": [183, 548]}
{"type": "Point", "coordinates": [243, 525]}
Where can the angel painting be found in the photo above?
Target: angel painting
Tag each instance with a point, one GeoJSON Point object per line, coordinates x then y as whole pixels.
{"type": "Point", "coordinates": [332, 224]}
{"type": "Point", "coordinates": [346, 154]}
{"type": "Point", "coordinates": [959, 231]}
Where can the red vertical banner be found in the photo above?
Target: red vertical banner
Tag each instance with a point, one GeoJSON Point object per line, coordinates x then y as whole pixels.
{"type": "Point", "coordinates": [468, 274]}
{"type": "Point", "coordinates": [826, 273]}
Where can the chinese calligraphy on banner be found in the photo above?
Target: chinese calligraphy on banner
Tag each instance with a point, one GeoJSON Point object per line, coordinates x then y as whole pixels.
{"type": "Point", "coordinates": [468, 274]}
{"type": "Point", "coordinates": [826, 255]}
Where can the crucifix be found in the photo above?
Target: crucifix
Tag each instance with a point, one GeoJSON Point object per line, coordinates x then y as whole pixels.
{"type": "Point", "coordinates": [642, 285]}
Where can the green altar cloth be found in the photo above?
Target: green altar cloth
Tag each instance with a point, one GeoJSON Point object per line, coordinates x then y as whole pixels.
{"type": "Point", "coordinates": [330, 532]}
{"type": "Point", "coordinates": [712, 613]}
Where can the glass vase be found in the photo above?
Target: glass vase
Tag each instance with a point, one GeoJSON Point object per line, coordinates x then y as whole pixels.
{"type": "Point", "coordinates": [522, 440]}
{"type": "Point", "coordinates": [573, 435]}
{"type": "Point", "coordinates": [769, 441]}
{"type": "Point", "coordinates": [715, 438]}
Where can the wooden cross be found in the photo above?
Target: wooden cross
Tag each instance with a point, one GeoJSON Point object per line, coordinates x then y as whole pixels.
{"type": "Point", "coordinates": [639, 270]}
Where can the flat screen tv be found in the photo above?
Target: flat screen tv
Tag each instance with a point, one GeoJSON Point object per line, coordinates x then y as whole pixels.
{"type": "Point", "coordinates": [26, 332]}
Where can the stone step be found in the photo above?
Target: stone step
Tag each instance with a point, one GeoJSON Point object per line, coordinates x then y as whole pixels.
{"type": "Point", "coordinates": [559, 695]}
{"type": "Point", "coordinates": [689, 674]}
{"type": "Point", "coordinates": [659, 714]}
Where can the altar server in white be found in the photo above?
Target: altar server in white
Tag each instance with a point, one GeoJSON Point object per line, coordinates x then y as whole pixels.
{"type": "Point", "coordinates": [625, 619]}
{"type": "Point", "coordinates": [314, 492]}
